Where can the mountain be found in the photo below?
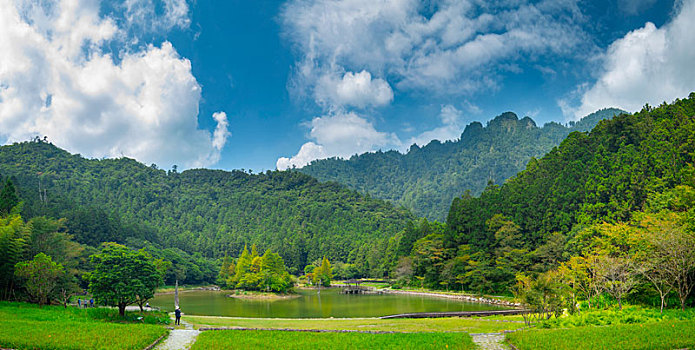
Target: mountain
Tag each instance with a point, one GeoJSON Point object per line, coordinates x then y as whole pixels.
{"type": "Point", "coordinates": [427, 179]}
{"type": "Point", "coordinates": [627, 165]}
{"type": "Point", "coordinates": [205, 212]}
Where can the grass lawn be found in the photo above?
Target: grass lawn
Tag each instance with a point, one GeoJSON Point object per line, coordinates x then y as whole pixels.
{"type": "Point", "coordinates": [211, 340]}
{"type": "Point", "coordinates": [26, 326]}
{"type": "Point", "coordinates": [448, 324]}
{"type": "Point", "coordinates": [660, 335]}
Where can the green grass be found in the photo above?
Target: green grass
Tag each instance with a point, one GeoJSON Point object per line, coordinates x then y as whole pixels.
{"type": "Point", "coordinates": [661, 335]}
{"type": "Point", "coordinates": [630, 314]}
{"type": "Point", "coordinates": [26, 326]}
{"type": "Point", "coordinates": [212, 340]}
{"type": "Point", "coordinates": [448, 324]}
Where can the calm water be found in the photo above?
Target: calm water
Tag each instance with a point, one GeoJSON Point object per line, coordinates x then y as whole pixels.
{"type": "Point", "coordinates": [330, 303]}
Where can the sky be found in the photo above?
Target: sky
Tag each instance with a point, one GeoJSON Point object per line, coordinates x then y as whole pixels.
{"type": "Point", "coordinates": [262, 85]}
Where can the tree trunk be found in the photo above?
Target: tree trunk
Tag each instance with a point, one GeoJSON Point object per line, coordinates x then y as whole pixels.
{"type": "Point", "coordinates": [121, 309]}
{"type": "Point", "coordinates": [620, 304]}
{"type": "Point", "coordinates": [663, 297]}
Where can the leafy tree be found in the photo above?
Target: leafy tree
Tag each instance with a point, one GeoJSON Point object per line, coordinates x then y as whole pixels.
{"type": "Point", "coordinates": [14, 238]}
{"type": "Point", "coordinates": [8, 197]}
{"type": "Point", "coordinates": [267, 272]}
{"type": "Point", "coordinates": [543, 295]}
{"type": "Point", "coordinates": [41, 276]}
{"type": "Point", "coordinates": [322, 274]}
{"type": "Point", "coordinates": [227, 270]}
{"type": "Point", "coordinates": [123, 276]}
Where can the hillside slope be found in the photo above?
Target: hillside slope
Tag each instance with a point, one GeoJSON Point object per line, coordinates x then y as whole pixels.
{"type": "Point", "coordinates": [427, 179]}
{"type": "Point", "coordinates": [211, 212]}
{"type": "Point", "coordinates": [604, 175]}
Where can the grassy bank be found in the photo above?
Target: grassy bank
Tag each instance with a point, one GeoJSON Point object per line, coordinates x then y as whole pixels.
{"type": "Point", "coordinates": [661, 335]}
{"type": "Point", "coordinates": [26, 326]}
{"type": "Point", "coordinates": [212, 340]}
{"type": "Point", "coordinates": [449, 324]}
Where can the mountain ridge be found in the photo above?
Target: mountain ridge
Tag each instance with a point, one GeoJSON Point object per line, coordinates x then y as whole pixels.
{"type": "Point", "coordinates": [426, 179]}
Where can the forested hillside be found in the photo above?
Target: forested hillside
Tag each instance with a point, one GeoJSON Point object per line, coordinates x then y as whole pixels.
{"type": "Point", "coordinates": [427, 179]}
{"type": "Point", "coordinates": [206, 212]}
{"type": "Point", "coordinates": [587, 197]}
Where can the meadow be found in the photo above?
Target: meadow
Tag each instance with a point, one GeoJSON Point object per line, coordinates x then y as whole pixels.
{"type": "Point", "coordinates": [447, 324]}
{"type": "Point", "coordinates": [237, 339]}
{"type": "Point", "coordinates": [28, 326]}
{"type": "Point", "coordinates": [652, 336]}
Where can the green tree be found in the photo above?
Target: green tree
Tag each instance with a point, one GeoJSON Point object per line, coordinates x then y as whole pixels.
{"type": "Point", "coordinates": [227, 270]}
{"type": "Point", "coordinates": [542, 296]}
{"type": "Point", "coordinates": [323, 274]}
{"type": "Point", "coordinates": [41, 276]}
{"type": "Point", "coordinates": [123, 276]}
{"type": "Point", "coordinates": [8, 197]}
{"type": "Point", "coordinates": [14, 238]}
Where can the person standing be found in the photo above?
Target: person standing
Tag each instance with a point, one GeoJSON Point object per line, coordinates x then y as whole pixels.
{"type": "Point", "coordinates": [177, 312]}
{"type": "Point", "coordinates": [79, 303]}
{"type": "Point", "coordinates": [91, 302]}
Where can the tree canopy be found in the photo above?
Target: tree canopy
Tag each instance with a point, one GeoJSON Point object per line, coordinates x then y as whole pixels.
{"type": "Point", "coordinates": [122, 276]}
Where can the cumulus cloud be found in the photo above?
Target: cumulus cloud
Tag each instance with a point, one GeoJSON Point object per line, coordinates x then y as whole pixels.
{"type": "Point", "coordinates": [451, 128]}
{"type": "Point", "coordinates": [56, 81]}
{"type": "Point", "coordinates": [648, 65]}
{"type": "Point", "coordinates": [340, 134]}
{"type": "Point", "coordinates": [354, 89]}
{"type": "Point", "coordinates": [453, 47]}
{"type": "Point", "coordinates": [219, 137]}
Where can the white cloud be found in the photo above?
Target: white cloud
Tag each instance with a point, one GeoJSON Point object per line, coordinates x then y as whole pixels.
{"type": "Point", "coordinates": [155, 16]}
{"type": "Point", "coordinates": [55, 81]}
{"type": "Point", "coordinates": [451, 128]}
{"type": "Point", "coordinates": [648, 65]}
{"type": "Point", "coordinates": [219, 137]}
{"type": "Point", "coordinates": [450, 48]}
{"type": "Point", "coordinates": [308, 152]}
{"type": "Point", "coordinates": [340, 134]}
{"type": "Point", "coordinates": [354, 89]}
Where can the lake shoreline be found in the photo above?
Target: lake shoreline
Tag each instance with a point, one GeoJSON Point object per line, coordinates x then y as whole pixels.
{"type": "Point", "coordinates": [262, 296]}
{"type": "Point", "coordinates": [463, 297]}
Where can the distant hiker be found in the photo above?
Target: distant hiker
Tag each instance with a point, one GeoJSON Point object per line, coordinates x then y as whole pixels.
{"type": "Point", "coordinates": [177, 312]}
{"type": "Point", "coordinates": [91, 302]}
{"type": "Point", "coordinates": [147, 305]}
{"type": "Point", "coordinates": [79, 302]}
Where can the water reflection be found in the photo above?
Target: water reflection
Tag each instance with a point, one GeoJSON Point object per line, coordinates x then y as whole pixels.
{"type": "Point", "coordinates": [310, 304]}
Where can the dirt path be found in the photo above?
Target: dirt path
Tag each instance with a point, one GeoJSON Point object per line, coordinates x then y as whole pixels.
{"type": "Point", "coordinates": [490, 341]}
{"type": "Point", "coordinates": [179, 339]}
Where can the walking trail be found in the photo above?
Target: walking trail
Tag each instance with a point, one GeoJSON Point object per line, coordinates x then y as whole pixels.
{"type": "Point", "coordinates": [490, 341]}
{"type": "Point", "coordinates": [179, 338]}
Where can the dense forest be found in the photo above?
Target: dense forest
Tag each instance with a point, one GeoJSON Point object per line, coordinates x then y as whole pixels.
{"type": "Point", "coordinates": [592, 199]}
{"type": "Point", "coordinates": [197, 215]}
{"type": "Point", "coordinates": [427, 179]}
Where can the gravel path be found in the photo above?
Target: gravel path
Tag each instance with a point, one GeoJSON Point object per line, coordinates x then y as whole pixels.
{"type": "Point", "coordinates": [179, 339]}
{"type": "Point", "coordinates": [490, 341]}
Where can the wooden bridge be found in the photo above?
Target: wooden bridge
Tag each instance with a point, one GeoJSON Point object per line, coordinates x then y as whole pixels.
{"type": "Point", "coordinates": [353, 287]}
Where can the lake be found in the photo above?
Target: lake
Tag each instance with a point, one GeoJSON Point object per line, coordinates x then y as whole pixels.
{"type": "Point", "coordinates": [310, 304]}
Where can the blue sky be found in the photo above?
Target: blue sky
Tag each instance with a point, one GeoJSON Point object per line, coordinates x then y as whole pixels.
{"type": "Point", "coordinates": [265, 84]}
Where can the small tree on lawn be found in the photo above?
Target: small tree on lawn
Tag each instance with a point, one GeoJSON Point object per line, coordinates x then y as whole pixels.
{"type": "Point", "coordinates": [41, 275]}
{"type": "Point", "coordinates": [123, 276]}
